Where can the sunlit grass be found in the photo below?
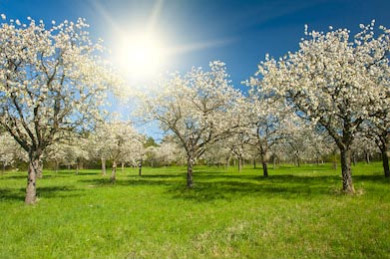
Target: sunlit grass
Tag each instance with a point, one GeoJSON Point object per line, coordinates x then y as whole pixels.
{"type": "Point", "coordinates": [296, 212]}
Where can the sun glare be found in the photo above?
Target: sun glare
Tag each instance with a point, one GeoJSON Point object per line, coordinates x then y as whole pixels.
{"type": "Point", "coordinates": [139, 55]}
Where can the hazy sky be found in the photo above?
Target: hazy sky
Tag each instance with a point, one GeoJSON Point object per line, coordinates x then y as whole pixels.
{"type": "Point", "coordinates": [239, 33]}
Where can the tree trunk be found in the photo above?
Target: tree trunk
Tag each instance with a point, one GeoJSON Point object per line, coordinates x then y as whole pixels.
{"type": "Point", "coordinates": [103, 166]}
{"type": "Point", "coordinates": [40, 169]}
{"type": "Point", "coordinates": [254, 163]}
{"type": "Point", "coordinates": [3, 169]}
{"type": "Point", "coordinates": [264, 163]}
{"type": "Point", "coordinates": [367, 157]}
{"type": "Point", "coordinates": [265, 169]}
{"type": "Point", "coordinates": [113, 173]}
{"type": "Point", "coordinates": [140, 168]}
{"type": "Point", "coordinates": [56, 167]}
{"type": "Point", "coordinates": [77, 168]}
{"type": "Point", "coordinates": [385, 162]}
{"type": "Point", "coordinates": [227, 162]}
{"type": "Point", "coordinates": [334, 161]}
{"type": "Point", "coordinates": [239, 164]}
{"type": "Point", "coordinates": [190, 182]}
{"type": "Point", "coordinates": [123, 166]}
{"type": "Point", "coordinates": [274, 162]}
{"type": "Point", "coordinates": [31, 191]}
{"type": "Point", "coordinates": [346, 170]}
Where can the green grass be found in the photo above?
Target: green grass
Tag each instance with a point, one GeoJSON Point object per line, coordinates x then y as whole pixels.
{"type": "Point", "coordinates": [295, 213]}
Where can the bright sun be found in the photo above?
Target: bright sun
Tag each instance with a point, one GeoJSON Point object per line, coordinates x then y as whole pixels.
{"type": "Point", "coordinates": [139, 55]}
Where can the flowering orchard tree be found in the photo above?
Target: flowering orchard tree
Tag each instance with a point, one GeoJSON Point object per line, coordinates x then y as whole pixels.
{"type": "Point", "coordinates": [378, 126]}
{"type": "Point", "coordinates": [364, 146]}
{"type": "Point", "coordinates": [56, 153]}
{"type": "Point", "coordinates": [380, 133]}
{"type": "Point", "coordinates": [268, 119]}
{"type": "Point", "coordinates": [331, 80]}
{"type": "Point", "coordinates": [199, 108]}
{"type": "Point", "coordinates": [9, 151]}
{"type": "Point", "coordinates": [237, 145]}
{"type": "Point", "coordinates": [51, 80]}
{"type": "Point", "coordinates": [167, 153]}
{"type": "Point", "coordinates": [318, 144]}
{"type": "Point", "coordinates": [133, 151]}
{"type": "Point", "coordinates": [98, 145]}
{"type": "Point", "coordinates": [119, 137]}
{"type": "Point", "coordinates": [218, 154]}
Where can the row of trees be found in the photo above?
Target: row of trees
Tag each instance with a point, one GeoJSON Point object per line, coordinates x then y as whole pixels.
{"type": "Point", "coordinates": [331, 88]}
{"type": "Point", "coordinates": [54, 84]}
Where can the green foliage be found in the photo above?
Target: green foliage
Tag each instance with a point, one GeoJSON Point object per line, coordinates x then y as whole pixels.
{"type": "Point", "coordinates": [295, 213]}
{"type": "Point", "coordinates": [150, 142]}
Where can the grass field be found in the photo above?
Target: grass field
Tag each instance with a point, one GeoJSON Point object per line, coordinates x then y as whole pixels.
{"type": "Point", "coordinates": [295, 213]}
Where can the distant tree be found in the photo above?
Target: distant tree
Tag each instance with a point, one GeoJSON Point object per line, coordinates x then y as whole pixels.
{"type": "Point", "coordinates": [268, 120]}
{"type": "Point", "coordinates": [150, 142]}
{"type": "Point", "coordinates": [199, 109]}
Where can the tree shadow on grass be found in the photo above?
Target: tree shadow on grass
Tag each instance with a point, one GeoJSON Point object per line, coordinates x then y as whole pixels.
{"type": "Point", "coordinates": [11, 194]}
{"type": "Point", "coordinates": [213, 186]}
{"type": "Point", "coordinates": [14, 177]}
{"type": "Point", "coordinates": [140, 181]}
{"type": "Point", "coordinates": [87, 173]}
{"type": "Point", "coordinates": [43, 192]}
{"type": "Point", "coordinates": [231, 190]}
{"type": "Point", "coordinates": [63, 191]}
{"type": "Point", "coordinates": [378, 177]}
{"type": "Point", "coordinates": [210, 187]}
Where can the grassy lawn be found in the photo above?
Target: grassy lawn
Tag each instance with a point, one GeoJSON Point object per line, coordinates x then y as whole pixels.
{"type": "Point", "coordinates": [296, 212]}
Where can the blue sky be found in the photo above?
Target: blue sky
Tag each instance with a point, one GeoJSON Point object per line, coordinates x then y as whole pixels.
{"type": "Point", "coordinates": [239, 33]}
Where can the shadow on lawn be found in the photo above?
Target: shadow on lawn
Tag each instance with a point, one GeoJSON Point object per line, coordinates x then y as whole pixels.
{"type": "Point", "coordinates": [210, 186]}
{"type": "Point", "coordinates": [42, 192]}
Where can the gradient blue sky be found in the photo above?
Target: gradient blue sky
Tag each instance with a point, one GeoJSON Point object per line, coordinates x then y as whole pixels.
{"type": "Point", "coordinates": [239, 33]}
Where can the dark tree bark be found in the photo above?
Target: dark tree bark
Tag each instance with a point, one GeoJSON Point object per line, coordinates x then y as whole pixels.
{"type": "Point", "coordinates": [140, 167]}
{"type": "Point", "coordinates": [239, 164]}
{"type": "Point", "coordinates": [385, 161]}
{"type": "Point", "coordinates": [77, 167]}
{"type": "Point", "coordinates": [298, 161]}
{"type": "Point", "coordinates": [346, 170]}
{"type": "Point", "coordinates": [190, 182]}
{"type": "Point", "coordinates": [265, 169]}
{"type": "Point", "coordinates": [254, 163]}
{"type": "Point", "coordinates": [264, 164]}
{"type": "Point", "coordinates": [227, 162]}
{"type": "Point", "coordinates": [113, 173]}
{"type": "Point", "coordinates": [31, 192]}
{"type": "Point", "coordinates": [354, 159]}
{"type": "Point", "coordinates": [103, 166]}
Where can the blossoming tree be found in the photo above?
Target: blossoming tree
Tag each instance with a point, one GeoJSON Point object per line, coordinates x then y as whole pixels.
{"type": "Point", "coordinates": [199, 108]}
{"type": "Point", "coordinates": [51, 80]}
{"type": "Point", "coordinates": [331, 81]}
